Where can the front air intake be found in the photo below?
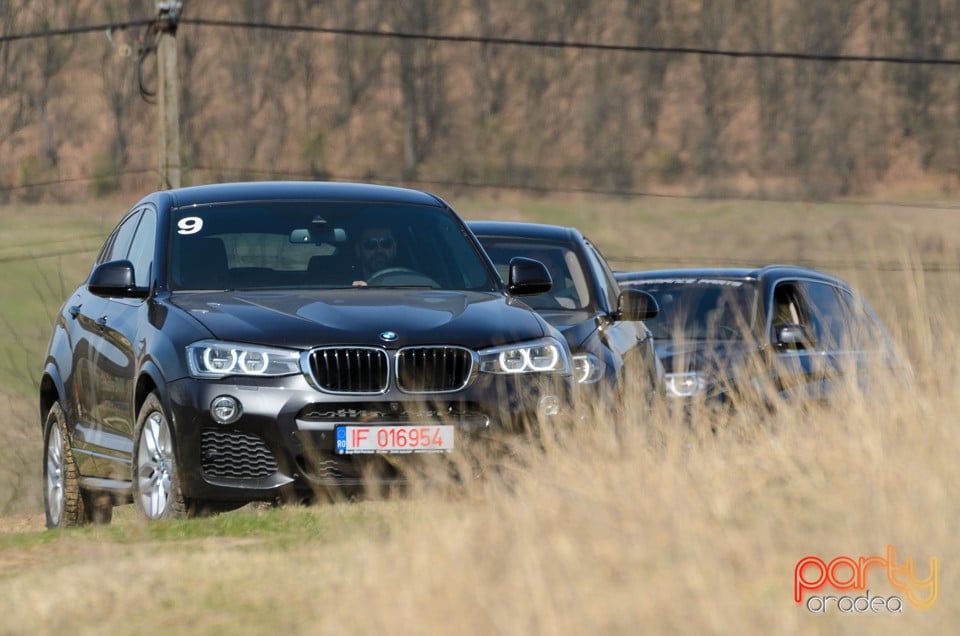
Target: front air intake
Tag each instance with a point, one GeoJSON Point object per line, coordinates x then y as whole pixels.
{"type": "Point", "coordinates": [235, 454]}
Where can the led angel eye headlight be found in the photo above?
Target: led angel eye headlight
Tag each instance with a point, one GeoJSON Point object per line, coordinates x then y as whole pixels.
{"type": "Point", "coordinates": [587, 368]}
{"type": "Point", "coordinates": [687, 384]}
{"type": "Point", "coordinates": [218, 359]}
{"type": "Point", "coordinates": [254, 362]}
{"type": "Point", "coordinates": [514, 361]}
{"type": "Point", "coordinates": [544, 358]}
{"type": "Point", "coordinates": [540, 356]}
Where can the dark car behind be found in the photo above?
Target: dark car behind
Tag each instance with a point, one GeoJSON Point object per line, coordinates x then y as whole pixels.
{"type": "Point", "coordinates": [612, 347]}
{"type": "Point", "coordinates": [793, 332]}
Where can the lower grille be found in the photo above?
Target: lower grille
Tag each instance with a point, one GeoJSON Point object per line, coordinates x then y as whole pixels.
{"type": "Point", "coordinates": [387, 413]}
{"type": "Point", "coordinates": [434, 369]}
{"type": "Point", "coordinates": [236, 455]}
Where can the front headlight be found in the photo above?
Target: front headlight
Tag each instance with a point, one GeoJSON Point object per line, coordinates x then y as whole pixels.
{"type": "Point", "coordinates": [216, 359]}
{"type": "Point", "coordinates": [687, 384]}
{"type": "Point", "coordinates": [539, 356]}
{"type": "Point", "coordinates": [588, 368]}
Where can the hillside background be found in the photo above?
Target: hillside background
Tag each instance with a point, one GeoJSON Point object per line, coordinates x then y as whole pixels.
{"type": "Point", "coordinates": [544, 96]}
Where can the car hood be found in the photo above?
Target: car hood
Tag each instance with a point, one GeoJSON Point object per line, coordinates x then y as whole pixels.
{"type": "Point", "coordinates": [679, 356]}
{"type": "Point", "coordinates": [306, 319]}
{"type": "Point", "coordinates": [576, 326]}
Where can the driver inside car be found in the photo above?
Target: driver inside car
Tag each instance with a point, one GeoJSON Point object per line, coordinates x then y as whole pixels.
{"type": "Point", "coordinates": [376, 250]}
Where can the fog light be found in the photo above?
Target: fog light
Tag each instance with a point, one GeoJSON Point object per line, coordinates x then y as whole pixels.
{"type": "Point", "coordinates": [225, 409]}
{"type": "Point", "coordinates": [549, 405]}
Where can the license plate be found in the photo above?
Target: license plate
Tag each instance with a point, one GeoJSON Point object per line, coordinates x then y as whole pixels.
{"type": "Point", "coordinates": [394, 439]}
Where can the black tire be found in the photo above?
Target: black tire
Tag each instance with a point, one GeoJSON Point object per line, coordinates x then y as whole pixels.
{"type": "Point", "coordinates": [155, 476]}
{"type": "Point", "coordinates": [63, 502]}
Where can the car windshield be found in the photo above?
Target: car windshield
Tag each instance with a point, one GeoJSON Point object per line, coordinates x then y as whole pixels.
{"type": "Point", "coordinates": [570, 290]}
{"type": "Point", "coordinates": [701, 308]}
{"type": "Point", "coordinates": [321, 244]}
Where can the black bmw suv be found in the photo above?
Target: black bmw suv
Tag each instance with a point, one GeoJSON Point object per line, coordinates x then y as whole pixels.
{"type": "Point", "coordinates": [610, 345]}
{"type": "Point", "coordinates": [797, 333]}
{"type": "Point", "coordinates": [258, 341]}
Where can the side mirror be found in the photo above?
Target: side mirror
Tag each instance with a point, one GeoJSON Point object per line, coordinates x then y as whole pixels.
{"type": "Point", "coordinates": [528, 277]}
{"type": "Point", "coordinates": [636, 304]}
{"type": "Point", "coordinates": [793, 336]}
{"type": "Point", "coordinates": [115, 279]}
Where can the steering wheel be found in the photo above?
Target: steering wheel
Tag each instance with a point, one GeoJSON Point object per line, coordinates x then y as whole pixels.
{"type": "Point", "coordinates": [401, 276]}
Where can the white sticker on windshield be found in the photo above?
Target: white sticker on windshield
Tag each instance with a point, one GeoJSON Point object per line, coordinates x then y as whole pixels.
{"type": "Point", "coordinates": [189, 225]}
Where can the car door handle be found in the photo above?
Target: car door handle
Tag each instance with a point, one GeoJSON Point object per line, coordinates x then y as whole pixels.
{"type": "Point", "coordinates": [74, 310]}
{"type": "Point", "coordinates": [102, 322]}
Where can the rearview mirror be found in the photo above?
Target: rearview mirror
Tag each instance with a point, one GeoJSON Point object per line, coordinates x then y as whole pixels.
{"type": "Point", "coordinates": [305, 236]}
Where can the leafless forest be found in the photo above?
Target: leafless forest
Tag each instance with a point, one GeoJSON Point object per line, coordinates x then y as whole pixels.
{"type": "Point", "coordinates": [622, 96]}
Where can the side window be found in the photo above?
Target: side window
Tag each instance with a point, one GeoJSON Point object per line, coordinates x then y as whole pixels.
{"type": "Point", "coordinates": [786, 306]}
{"type": "Point", "coordinates": [786, 310]}
{"type": "Point", "coordinates": [826, 315]}
{"type": "Point", "coordinates": [118, 245]}
{"type": "Point", "coordinates": [142, 246]}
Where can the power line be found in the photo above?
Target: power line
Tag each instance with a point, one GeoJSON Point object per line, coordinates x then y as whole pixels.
{"type": "Point", "coordinates": [572, 44]}
{"type": "Point", "coordinates": [117, 26]}
{"type": "Point", "coordinates": [257, 174]}
{"type": "Point", "coordinates": [476, 39]}
{"type": "Point", "coordinates": [824, 264]}
{"type": "Point", "coordinates": [83, 179]}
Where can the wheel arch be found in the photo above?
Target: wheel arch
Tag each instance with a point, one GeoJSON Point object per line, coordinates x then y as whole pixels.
{"type": "Point", "coordinates": [51, 392]}
{"type": "Point", "coordinates": [150, 381]}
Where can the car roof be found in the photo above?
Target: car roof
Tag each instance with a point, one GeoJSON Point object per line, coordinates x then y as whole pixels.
{"type": "Point", "coordinates": [294, 190]}
{"type": "Point", "coordinates": [765, 273]}
{"type": "Point", "coordinates": [542, 231]}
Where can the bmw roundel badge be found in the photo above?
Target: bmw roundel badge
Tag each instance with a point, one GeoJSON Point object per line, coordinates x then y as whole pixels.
{"type": "Point", "coordinates": [388, 336]}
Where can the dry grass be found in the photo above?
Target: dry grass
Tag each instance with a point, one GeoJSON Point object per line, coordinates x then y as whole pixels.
{"type": "Point", "coordinates": [19, 456]}
{"type": "Point", "coordinates": [632, 523]}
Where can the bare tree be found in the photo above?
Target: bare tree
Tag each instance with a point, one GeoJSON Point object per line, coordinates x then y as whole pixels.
{"type": "Point", "coordinates": [817, 27]}
{"type": "Point", "coordinates": [359, 60]}
{"type": "Point", "coordinates": [716, 19]}
{"type": "Point", "coordinates": [760, 31]}
{"type": "Point", "coordinates": [118, 66]}
{"type": "Point", "coordinates": [489, 71]}
{"type": "Point", "coordinates": [651, 24]}
{"type": "Point", "coordinates": [194, 92]}
{"type": "Point", "coordinates": [50, 55]}
{"type": "Point", "coordinates": [13, 100]}
{"type": "Point", "coordinates": [423, 100]}
{"type": "Point", "coordinates": [919, 28]}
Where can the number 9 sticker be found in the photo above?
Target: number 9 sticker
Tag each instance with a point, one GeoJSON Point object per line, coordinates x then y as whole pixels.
{"type": "Point", "coordinates": [189, 225]}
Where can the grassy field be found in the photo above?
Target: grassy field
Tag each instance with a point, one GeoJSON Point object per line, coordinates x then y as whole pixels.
{"type": "Point", "coordinates": [636, 522]}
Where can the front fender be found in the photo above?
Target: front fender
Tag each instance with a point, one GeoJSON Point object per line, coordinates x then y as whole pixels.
{"type": "Point", "coordinates": [150, 380]}
{"type": "Point", "coordinates": [52, 390]}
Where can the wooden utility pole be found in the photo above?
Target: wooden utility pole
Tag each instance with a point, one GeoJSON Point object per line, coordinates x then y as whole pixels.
{"type": "Point", "coordinates": [168, 93]}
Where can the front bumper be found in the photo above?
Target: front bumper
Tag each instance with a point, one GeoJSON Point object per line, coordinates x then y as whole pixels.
{"type": "Point", "coordinates": [284, 442]}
